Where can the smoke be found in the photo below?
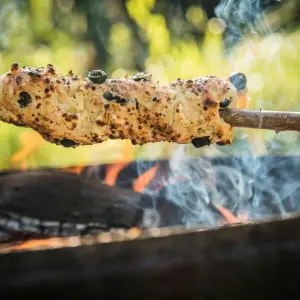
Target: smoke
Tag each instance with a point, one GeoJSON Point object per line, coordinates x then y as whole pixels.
{"type": "Point", "coordinates": [244, 184]}
{"type": "Point", "coordinates": [242, 17]}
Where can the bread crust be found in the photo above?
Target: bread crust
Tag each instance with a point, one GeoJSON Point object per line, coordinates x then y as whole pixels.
{"type": "Point", "coordinates": [71, 110]}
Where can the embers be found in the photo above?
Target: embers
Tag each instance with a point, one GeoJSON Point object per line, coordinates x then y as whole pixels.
{"type": "Point", "coordinates": [15, 227]}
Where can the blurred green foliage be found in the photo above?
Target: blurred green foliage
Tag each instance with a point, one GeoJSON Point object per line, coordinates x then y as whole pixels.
{"type": "Point", "coordinates": [123, 37]}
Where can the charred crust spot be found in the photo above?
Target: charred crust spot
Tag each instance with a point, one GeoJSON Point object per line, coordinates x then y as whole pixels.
{"type": "Point", "coordinates": [93, 87]}
{"type": "Point", "coordinates": [57, 81]}
{"type": "Point", "coordinates": [47, 90]}
{"type": "Point", "coordinates": [70, 117]}
{"type": "Point", "coordinates": [137, 106]}
{"type": "Point", "coordinates": [189, 81]}
{"type": "Point", "coordinates": [154, 99]}
{"type": "Point", "coordinates": [205, 108]}
{"type": "Point", "coordinates": [177, 110]}
{"type": "Point", "coordinates": [50, 69]}
{"type": "Point", "coordinates": [51, 88]}
{"type": "Point", "coordinates": [14, 67]}
{"type": "Point", "coordinates": [68, 143]}
{"type": "Point", "coordinates": [18, 80]}
{"type": "Point", "coordinates": [37, 119]}
{"type": "Point", "coordinates": [210, 103]}
{"type": "Point", "coordinates": [87, 85]}
{"type": "Point", "coordinates": [221, 143]}
{"type": "Point", "coordinates": [70, 73]}
{"type": "Point", "coordinates": [100, 123]}
{"type": "Point", "coordinates": [201, 142]}
{"type": "Point", "coordinates": [106, 106]}
{"type": "Point", "coordinates": [73, 116]}
{"type": "Point", "coordinates": [24, 99]}
{"type": "Point", "coordinates": [38, 105]}
{"type": "Point", "coordinates": [38, 97]}
{"type": "Point", "coordinates": [48, 96]}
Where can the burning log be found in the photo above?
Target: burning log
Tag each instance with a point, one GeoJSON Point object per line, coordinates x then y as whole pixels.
{"type": "Point", "coordinates": [54, 203]}
{"type": "Point", "coordinates": [238, 262]}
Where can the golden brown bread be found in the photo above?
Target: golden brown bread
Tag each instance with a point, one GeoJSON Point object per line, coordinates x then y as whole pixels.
{"type": "Point", "coordinates": [71, 110]}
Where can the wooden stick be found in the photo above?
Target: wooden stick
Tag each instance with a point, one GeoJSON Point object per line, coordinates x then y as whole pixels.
{"type": "Point", "coordinates": [272, 120]}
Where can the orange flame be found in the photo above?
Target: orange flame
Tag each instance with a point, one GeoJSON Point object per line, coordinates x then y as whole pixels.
{"type": "Point", "coordinates": [27, 149]}
{"type": "Point", "coordinates": [75, 170]}
{"type": "Point", "coordinates": [33, 244]}
{"type": "Point", "coordinates": [229, 217]}
{"type": "Point", "coordinates": [113, 171]}
{"type": "Point", "coordinates": [144, 179]}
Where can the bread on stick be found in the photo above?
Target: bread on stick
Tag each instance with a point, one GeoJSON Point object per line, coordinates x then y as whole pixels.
{"type": "Point", "coordinates": [71, 110]}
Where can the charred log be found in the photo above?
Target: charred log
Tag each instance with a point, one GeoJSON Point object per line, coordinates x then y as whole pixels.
{"type": "Point", "coordinates": [55, 203]}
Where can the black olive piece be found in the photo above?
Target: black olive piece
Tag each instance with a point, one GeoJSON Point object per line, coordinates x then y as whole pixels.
{"type": "Point", "coordinates": [97, 76]}
{"type": "Point", "coordinates": [24, 100]}
{"type": "Point", "coordinates": [108, 96]}
{"type": "Point", "coordinates": [201, 142]}
{"type": "Point", "coordinates": [221, 143]}
{"type": "Point", "coordinates": [225, 103]}
{"type": "Point", "coordinates": [68, 143]}
{"type": "Point", "coordinates": [121, 100]}
{"type": "Point", "coordinates": [238, 80]}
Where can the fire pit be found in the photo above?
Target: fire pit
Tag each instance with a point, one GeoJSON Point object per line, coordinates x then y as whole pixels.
{"type": "Point", "coordinates": [234, 235]}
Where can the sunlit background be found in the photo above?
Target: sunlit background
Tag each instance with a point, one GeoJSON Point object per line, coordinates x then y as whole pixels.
{"type": "Point", "coordinates": [169, 39]}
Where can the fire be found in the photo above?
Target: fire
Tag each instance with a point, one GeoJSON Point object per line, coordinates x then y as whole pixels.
{"type": "Point", "coordinates": [144, 179]}
{"type": "Point", "coordinates": [229, 217]}
{"type": "Point", "coordinates": [75, 170]}
{"type": "Point", "coordinates": [27, 149]}
{"type": "Point", "coordinates": [110, 178]}
{"type": "Point", "coordinates": [34, 244]}
{"type": "Point", "coordinates": [113, 171]}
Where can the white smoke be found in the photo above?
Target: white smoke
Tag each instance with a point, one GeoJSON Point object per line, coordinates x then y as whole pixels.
{"type": "Point", "coordinates": [242, 17]}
